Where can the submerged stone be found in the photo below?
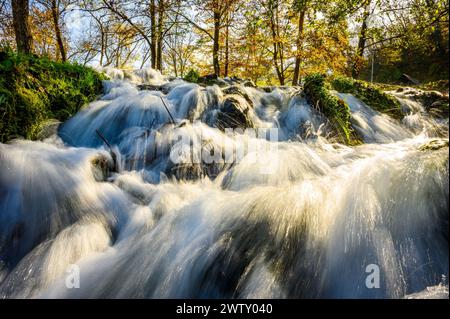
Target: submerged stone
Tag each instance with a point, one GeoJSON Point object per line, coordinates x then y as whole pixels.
{"type": "Point", "coordinates": [434, 145]}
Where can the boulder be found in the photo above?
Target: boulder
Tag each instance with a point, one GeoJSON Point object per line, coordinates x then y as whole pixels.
{"type": "Point", "coordinates": [439, 109]}
{"type": "Point", "coordinates": [405, 78]}
{"type": "Point", "coordinates": [150, 87]}
{"type": "Point", "coordinates": [238, 90]}
{"type": "Point", "coordinates": [249, 83]}
{"type": "Point", "coordinates": [234, 113]}
{"type": "Point", "coordinates": [211, 79]}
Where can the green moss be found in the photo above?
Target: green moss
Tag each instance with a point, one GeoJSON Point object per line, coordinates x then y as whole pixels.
{"type": "Point", "coordinates": [192, 76]}
{"type": "Point", "coordinates": [335, 109]}
{"type": "Point", "coordinates": [441, 86]}
{"type": "Point", "coordinates": [369, 94]}
{"type": "Point", "coordinates": [34, 89]}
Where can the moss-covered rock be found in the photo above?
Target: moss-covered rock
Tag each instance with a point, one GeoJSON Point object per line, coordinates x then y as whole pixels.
{"type": "Point", "coordinates": [335, 109]}
{"type": "Point", "coordinates": [369, 94]}
{"type": "Point", "coordinates": [434, 145]}
{"type": "Point", "coordinates": [34, 89]}
{"type": "Point", "coordinates": [441, 86]}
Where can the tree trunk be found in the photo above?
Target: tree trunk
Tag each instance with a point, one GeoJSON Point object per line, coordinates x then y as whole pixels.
{"type": "Point", "coordinates": [301, 22]}
{"type": "Point", "coordinates": [361, 41]}
{"type": "Point", "coordinates": [160, 35]}
{"type": "Point", "coordinates": [275, 40]}
{"type": "Point", "coordinates": [216, 39]}
{"type": "Point", "coordinates": [174, 62]}
{"type": "Point", "coordinates": [227, 47]}
{"type": "Point", "coordinates": [102, 47]}
{"type": "Point", "coordinates": [280, 44]}
{"type": "Point", "coordinates": [59, 39]}
{"type": "Point", "coordinates": [22, 30]}
{"type": "Point", "coordinates": [153, 36]}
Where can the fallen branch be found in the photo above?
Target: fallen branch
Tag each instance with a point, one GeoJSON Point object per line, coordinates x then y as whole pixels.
{"type": "Point", "coordinates": [111, 152]}
{"type": "Point", "coordinates": [167, 109]}
{"type": "Point", "coordinates": [103, 138]}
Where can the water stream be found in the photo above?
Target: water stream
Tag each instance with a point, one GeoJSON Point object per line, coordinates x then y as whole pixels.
{"type": "Point", "coordinates": [285, 212]}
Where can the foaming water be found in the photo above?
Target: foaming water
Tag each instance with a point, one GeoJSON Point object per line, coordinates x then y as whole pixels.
{"type": "Point", "coordinates": [267, 217]}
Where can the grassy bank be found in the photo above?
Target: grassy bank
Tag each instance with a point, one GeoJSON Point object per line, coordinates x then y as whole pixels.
{"type": "Point", "coordinates": [34, 90]}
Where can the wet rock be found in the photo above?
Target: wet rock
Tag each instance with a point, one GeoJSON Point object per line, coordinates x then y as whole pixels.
{"type": "Point", "coordinates": [186, 169]}
{"type": "Point", "coordinates": [151, 87]}
{"type": "Point", "coordinates": [405, 78]}
{"type": "Point", "coordinates": [220, 82]}
{"type": "Point", "coordinates": [102, 168]}
{"type": "Point", "coordinates": [193, 171]}
{"type": "Point", "coordinates": [249, 83]}
{"type": "Point", "coordinates": [211, 79]}
{"type": "Point", "coordinates": [434, 145]}
{"type": "Point", "coordinates": [267, 89]}
{"type": "Point", "coordinates": [234, 113]}
{"type": "Point", "coordinates": [208, 77]}
{"type": "Point", "coordinates": [434, 102]}
{"type": "Point", "coordinates": [439, 109]}
{"type": "Point", "coordinates": [48, 128]}
{"type": "Point", "coordinates": [238, 90]}
{"type": "Point", "coordinates": [430, 97]}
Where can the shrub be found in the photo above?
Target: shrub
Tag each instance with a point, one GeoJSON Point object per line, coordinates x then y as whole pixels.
{"type": "Point", "coordinates": [192, 76]}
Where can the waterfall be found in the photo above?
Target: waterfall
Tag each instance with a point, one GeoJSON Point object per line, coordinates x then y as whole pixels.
{"type": "Point", "coordinates": [190, 209]}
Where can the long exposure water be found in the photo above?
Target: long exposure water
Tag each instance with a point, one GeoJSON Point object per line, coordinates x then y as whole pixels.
{"type": "Point", "coordinates": [185, 209]}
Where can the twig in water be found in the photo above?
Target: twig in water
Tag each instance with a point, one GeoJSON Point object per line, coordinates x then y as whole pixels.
{"type": "Point", "coordinates": [167, 109]}
{"type": "Point", "coordinates": [103, 138]}
{"type": "Point", "coordinates": [111, 152]}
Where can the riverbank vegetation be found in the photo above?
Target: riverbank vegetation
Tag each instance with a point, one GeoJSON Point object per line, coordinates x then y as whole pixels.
{"type": "Point", "coordinates": [34, 90]}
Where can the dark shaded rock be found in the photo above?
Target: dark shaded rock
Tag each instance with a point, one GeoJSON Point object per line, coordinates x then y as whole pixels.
{"type": "Point", "coordinates": [211, 79]}
{"type": "Point", "coordinates": [185, 171]}
{"type": "Point", "coordinates": [150, 87]}
{"type": "Point", "coordinates": [207, 78]}
{"type": "Point", "coordinates": [430, 97]}
{"type": "Point", "coordinates": [238, 90]}
{"type": "Point", "coordinates": [220, 82]}
{"type": "Point", "coordinates": [249, 83]}
{"type": "Point", "coordinates": [102, 167]}
{"type": "Point", "coordinates": [267, 89]}
{"type": "Point", "coordinates": [194, 171]}
{"type": "Point", "coordinates": [434, 102]}
{"type": "Point", "coordinates": [189, 170]}
{"type": "Point", "coordinates": [439, 109]}
{"type": "Point", "coordinates": [405, 78]}
{"type": "Point", "coordinates": [234, 114]}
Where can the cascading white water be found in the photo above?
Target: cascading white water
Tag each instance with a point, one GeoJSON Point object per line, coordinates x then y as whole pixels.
{"type": "Point", "coordinates": [304, 219]}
